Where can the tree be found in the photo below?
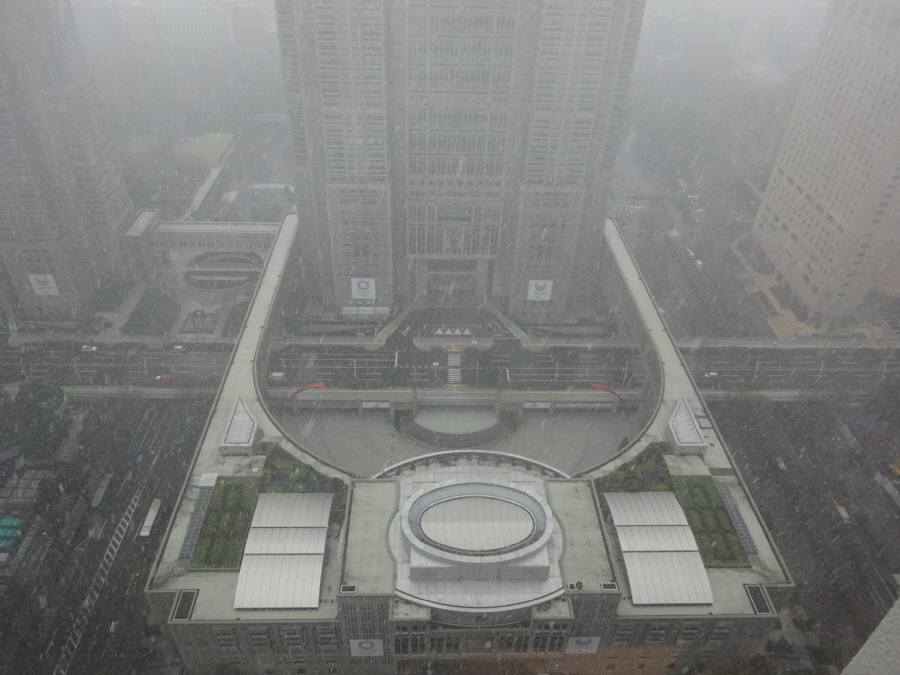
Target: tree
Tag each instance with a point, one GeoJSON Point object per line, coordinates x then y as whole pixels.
{"type": "Point", "coordinates": [40, 419]}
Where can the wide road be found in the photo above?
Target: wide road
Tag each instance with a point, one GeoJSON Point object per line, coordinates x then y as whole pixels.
{"type": "Point", "coordinates": [115, 637]}
{"type": "Point", "coordinates": [714, 363]}
{"type": "Point", "coordinates": [115, 364]}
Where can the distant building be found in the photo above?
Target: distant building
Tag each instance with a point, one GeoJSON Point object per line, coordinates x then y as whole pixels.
{"type": "Point", "coordinates": [62, 198]}
{"type": "Point", "coordinates": [455, 152]}
{"type": "Point", "coordinates": [829, 218]}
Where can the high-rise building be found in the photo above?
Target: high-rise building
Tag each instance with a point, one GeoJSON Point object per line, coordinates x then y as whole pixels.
{"type": "Point", "coordinates": [62, 197]}
{"type": "Point", "coordinates": [830, 218]}
{"type": "Point", "coordinates": [455, 151]}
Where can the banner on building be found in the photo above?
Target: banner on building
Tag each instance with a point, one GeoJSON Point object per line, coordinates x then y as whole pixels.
{"type": "Point", "coordinates": [540, 290]}
{"type": "Point", "coordinates": [582, 645]}
{"type": "Point", "coordinates": [366, 648]}
{"type": "Point", "coordinates": [43, 284]}
{"type": "Point", "coordinates": [362, 289]}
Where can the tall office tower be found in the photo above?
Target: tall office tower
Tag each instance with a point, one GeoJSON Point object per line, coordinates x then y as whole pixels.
{"type": "Point", "coordinates": [62, 198]}
{"type": "Point", "coordinates": [830, 218]}
{"type": "Point", "coordinates": [455, 151]}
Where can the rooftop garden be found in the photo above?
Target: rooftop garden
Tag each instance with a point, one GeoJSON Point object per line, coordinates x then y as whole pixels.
{"type": "Point", "coordinates": [703, 507]}
{"type": "Point", "coordinates": [227, 522]}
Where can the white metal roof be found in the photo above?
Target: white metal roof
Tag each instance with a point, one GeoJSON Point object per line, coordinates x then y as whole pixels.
{"type": "Point", "coordinates": [656, 538]}
{"type": "Point", "coordinates": [667, 578]}
{"type": "Point", "coordinates": [645, 508]}
{"type": "Point", "coordinates": [661, 556]}
{"type": "Point", "coordinates": [684, 431]}
{"type": "Point", "coordinates": [292, 509]}
{"type": "Point", "coordinates": [284, 552]}
{"type": "Point", "coordinates": [476, 523]}
{"type": "Point", "coordinates": [241, 427]}
{"type": "Point", "coordinates": [285, 540]}
{"type": "Point", "coordinates": [279, 582]}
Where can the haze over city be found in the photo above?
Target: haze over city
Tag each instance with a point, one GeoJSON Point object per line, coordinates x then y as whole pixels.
{"type": "Point", "coordinates": [449, 337]}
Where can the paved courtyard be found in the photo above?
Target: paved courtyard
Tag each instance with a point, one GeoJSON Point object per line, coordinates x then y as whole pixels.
{"type": "Point", "coordinates": [367, 442]}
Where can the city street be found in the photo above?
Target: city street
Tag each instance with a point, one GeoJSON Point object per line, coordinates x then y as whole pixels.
{"type": "Point", "coordinates": [105, 364]}
{"type": "Point", "coordinates": [112, 632]}
{"type": "Point", "coordinates": [805, 475]}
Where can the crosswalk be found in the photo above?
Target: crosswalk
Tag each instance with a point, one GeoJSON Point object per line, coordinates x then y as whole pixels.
{"type": "Point", "coordinates": [454, 369]}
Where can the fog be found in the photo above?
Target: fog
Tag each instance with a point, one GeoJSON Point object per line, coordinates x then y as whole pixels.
{"type": "Point", "coordinates": [432, 337]}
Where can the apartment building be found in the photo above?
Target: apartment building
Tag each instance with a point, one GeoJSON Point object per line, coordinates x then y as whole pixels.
{"type": "Point", "coordinates": [62, 198]}
{"type": "Point", "coordinates": [830, 218]}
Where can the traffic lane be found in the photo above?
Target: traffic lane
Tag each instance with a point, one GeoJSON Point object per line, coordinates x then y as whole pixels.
{"type": "Point", "coordinates": [835, 579]}
{"type": "Point", "coordinates": [116, 634]}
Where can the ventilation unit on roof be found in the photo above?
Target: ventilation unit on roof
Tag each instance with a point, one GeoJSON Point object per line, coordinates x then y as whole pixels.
{"type": "Point", "coordinates": [347, 588]}
{"type": "Point", "coordinates": [758, 599]}
{"type": "Point", "coordinates": [184, 605]}
{"type": "Point", "coordinates": [610, 586]}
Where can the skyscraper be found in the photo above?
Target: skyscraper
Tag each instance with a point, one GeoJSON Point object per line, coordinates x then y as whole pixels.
{"type": "Point", "coordinates": [62, 198]}
{"type": "Point", "coordinates": [830, 218]}
{"type": "Point", "coordinates": [455, 151]}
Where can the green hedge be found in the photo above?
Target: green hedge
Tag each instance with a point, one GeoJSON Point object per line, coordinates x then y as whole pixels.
{"type": "Point", "coordinates": [224, 531]}
{"type": "Point", "coordinates": [227, 522]}
{"type": "Point", "coordinates": [709, 521]}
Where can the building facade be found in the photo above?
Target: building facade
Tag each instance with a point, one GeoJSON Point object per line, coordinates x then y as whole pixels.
{"type": "Point", "coordinates": [830, 218]}
{"type": "Point", "coordinates": [452, 567]}
{"type": "Point", "coordinates": [455, 152]}
{"type": "Point", "coordinates": [62, 198]}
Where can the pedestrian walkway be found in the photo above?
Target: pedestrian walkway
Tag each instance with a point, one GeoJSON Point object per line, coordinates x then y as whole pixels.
{"type": "Point", "coordinates": [454, 370]}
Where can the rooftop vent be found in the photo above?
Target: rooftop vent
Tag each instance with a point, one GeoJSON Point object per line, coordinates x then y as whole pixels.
{"type": "Point", "coordinates": [348, 588]}
{"type": "Point", "coordinates": [758, 599]}
{"type": "Point", "coordinates": [184, 606]}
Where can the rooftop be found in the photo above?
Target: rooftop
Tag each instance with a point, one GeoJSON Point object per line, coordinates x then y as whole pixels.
{"type": "Point", "coordinates": [217, 588]}
{"type": "Point", "coordinates": [285, 552]}
{"type": "Point", "coordinates": [661, 557]}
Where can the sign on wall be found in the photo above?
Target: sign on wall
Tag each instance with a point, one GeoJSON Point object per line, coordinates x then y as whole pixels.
{"type": "Point", "coordinates": [362, 289]}
{"type": "Point", "coordinates": [366, 648]}
{"type": "Point", "coordinates": [43, 284]}
{"type": "Point", "coordinates": [582, 645]}
{"type": "Point", "coordinates": [540, 290]}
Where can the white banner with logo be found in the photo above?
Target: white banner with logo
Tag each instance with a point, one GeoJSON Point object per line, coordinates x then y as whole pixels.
{"type": "Point", "coordinates": [43, 284]}
{"type": "Point", "coordinates": [366, 648]}
{"type": "Point", "coordinates": [540, 290]}
{"type": "Point", "coordinates": [582, 645]}
{"type": "Point", "coordinates": [362, 289]}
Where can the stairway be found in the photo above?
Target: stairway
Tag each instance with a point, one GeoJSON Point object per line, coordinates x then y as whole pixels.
{"type": "Point", "coordinates": [454, 371]}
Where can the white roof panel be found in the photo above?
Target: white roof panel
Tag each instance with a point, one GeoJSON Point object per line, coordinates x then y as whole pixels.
{"type": "Point", "coordinates": [645, 508]}
{"type": "Point", "coordinates": [241, 427]}
{"type": "Point", "coordinates": [667, 578]}
{"type": "Point", "coordinates": [476, 523]}
{"type": "Point", "coordinates": [292, 509]}
{"type": "Point", "coordinates": [656, 538]}
{"type": "Point", "coordinates": [279, 582]}
{"type": "Point", "coordinates": [684, 428]}
{"type": "Point", "coordinates": [285, 540]}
